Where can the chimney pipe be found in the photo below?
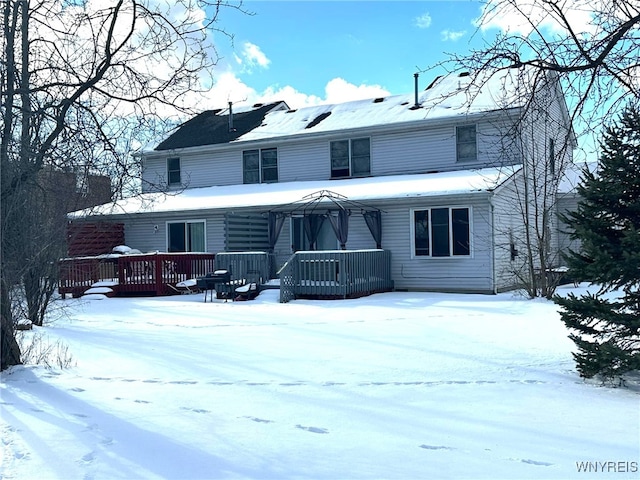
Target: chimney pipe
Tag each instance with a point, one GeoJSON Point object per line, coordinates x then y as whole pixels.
{"type": "Point", "coordinates": [231, 129]}
{"type": "Point", "coordinates": [415, 77]}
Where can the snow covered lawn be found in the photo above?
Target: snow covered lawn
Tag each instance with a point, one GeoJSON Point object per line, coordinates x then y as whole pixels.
{"type": "Point", "coordinates": [396, 385]}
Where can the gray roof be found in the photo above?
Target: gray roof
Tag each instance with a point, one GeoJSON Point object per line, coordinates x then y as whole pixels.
{"type": "Point", "coordinates": [212, 126]}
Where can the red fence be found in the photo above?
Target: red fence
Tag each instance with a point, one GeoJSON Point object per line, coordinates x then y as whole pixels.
{"type": "Point", "coordinates": [146, 274]}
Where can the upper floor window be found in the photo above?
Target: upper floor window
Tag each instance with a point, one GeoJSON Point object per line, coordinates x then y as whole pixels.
{"type": "Point", "coordinates": [466, 143]}
{"type": "Point", "coordinates": [350, 158]}
{"type": "Point", "coordinates": [441, 232]}
{"type": "Point", "coordinates": [173, 171]}
{"type": "Point", "coordinates": [186, 236]}
{"type": "Point", "coordinates": [260, 165]}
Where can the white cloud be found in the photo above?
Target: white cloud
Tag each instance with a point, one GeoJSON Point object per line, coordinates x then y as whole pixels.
{"type": "Point", "coordinates": [229, 88]}
{"type": "Point", "coordinates": [423, 21]}
{"type": "Point", "coordinates": [339, 90]}
{"type": "Point", "coordinates": [450, 35]}
{"type": "Point", "coordinates": [521, 16]}
{"type": "Point", "coordinates": [252, 56]}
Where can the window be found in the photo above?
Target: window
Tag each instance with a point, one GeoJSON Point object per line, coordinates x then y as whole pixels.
{"type": "Point", "coordinates": [186, 236]}
{"type": "Point", "coordinates": [260, 166]}
{"type": "Point", "coordinates": [466, 143]}
{"type": "Point", "coordinates": [552, 156]}
{"type": "Point", "coordinates": [173, 171]}
{"type": "Point", "coordinates": [350, 158]}
{"type": "Point", "coordinates": [441, 232]}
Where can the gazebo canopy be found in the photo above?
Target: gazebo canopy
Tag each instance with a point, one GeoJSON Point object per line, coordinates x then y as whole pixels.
{"type": "Point", "coordinates": [316, 207]}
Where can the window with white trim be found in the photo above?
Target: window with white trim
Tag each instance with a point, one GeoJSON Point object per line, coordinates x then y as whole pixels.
{"type": "Point", "coordinates": [173, 171]}
{"type": "Point", "coordinates": [260, 165]}
{"type": "Point", "coordinates": [186, 236]}
{"type": "Point", "coordinates": [466, 143]}
{"type": "Point", "coordinates": [350, 158]}
{"type": "Point", "coordinates": [441, 232]}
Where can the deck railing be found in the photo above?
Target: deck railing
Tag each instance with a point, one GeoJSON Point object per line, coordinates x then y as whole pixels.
{"type": "Point", "coordinates": [144, 274]}
{"type": "Point", "coordinates": [335, 274]}
{"type": "Point", "coordinates": [249, 266]}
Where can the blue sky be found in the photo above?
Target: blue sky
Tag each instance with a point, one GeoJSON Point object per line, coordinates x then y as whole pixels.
{"type": "Point", "coordinates": [309, 52]}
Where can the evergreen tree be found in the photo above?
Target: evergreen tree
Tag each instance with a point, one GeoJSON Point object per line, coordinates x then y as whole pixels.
{"type": "Point", "coordinates": [605, 326]}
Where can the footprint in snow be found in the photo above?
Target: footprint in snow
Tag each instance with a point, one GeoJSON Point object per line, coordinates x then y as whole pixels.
{"type": "Point", "coordinates": [313, 429]}
{"type": "Point", "coordinates": [88, 457]}
{"type": "Point", "coordinates": [106, 441]}
{"type": "Point", "coordinates": [436, 447]}
{"type": "Point", "coordinates": [258, 420]}
{"type": "Point", "coordinates": [536, 462]}
{"type": "Point", "coordinates": [195, 410]}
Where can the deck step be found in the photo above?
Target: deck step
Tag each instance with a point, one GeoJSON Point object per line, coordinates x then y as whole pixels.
{"type": "Point", "coordinates": [106, 291]}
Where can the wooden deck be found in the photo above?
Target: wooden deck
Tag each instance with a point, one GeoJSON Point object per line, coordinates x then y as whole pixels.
{"type": "Point", "coordinates": [133, 275]}
{"type": "Point", "coordinates": [335, 274]}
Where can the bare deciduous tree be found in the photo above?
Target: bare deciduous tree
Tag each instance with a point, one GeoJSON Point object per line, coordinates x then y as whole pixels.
{"type": "Point", "coordinates": [593, 48]}
{"type": "Point", "coordinates": [81, 83]}
{"type": "Point", "coordinates": [593, 45]}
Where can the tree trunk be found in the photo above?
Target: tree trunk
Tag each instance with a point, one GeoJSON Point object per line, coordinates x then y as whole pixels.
{"type": "Point", "coordinates": [9, 348]}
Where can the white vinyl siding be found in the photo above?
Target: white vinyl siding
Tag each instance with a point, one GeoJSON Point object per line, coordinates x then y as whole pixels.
{"type": "Point", "coordinates": [473, 273]}
{"type": "Point", "coordinates": [302, 161]}
{"type": "Point", "coordinates": [415, 150]}
{"type": "Point", "coordinates": [148, 233]}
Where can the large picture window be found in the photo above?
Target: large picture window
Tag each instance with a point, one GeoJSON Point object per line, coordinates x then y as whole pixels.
{"type": "Point", "coordinates": [350, 158]}
{"type": "Point", "coordinates": [186, 236]}
{"type": "Point", "coordinates": [466, 143]}
{"type": "Point", "coordinates": [441, 232]}
{"type": "Point", "coordinates": [173, 171]}
{"type": "Point", "coordinates": [260, 166]}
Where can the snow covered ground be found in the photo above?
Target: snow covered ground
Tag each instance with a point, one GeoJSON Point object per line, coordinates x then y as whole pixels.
{"type": "Point", "coordinates": [396, 385]}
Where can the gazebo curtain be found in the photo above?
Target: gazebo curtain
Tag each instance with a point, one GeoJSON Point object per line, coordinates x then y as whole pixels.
{"type": "Point", "coordinates": [309, 208]}
{"type": "Point", "coordinates": [340, 226]}
{"type": "Point", "coordinates": [373, 220]}
{"type": "Point", "coordinates": [276, 221]}
{"type": "Point", "coordinates": [312, 223]}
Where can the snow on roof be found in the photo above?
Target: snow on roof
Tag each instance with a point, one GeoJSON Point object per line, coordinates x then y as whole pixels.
{"type": "Point", "coordinates": [447, 96]}
{"type": "Point", "coordinates": [266, 195]}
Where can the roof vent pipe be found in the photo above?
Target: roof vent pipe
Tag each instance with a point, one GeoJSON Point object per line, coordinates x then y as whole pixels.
{"type": "Point", "coordinates": [231, 129]}
{"type": "Point", "coordinates": [415, 78]}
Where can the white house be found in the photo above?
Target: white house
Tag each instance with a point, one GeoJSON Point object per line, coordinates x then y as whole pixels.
{"type": "Point", "coordinates": [437, 177]}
